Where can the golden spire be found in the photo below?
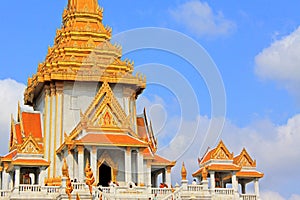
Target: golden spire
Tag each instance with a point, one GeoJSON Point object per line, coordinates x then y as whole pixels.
{"type": "Point", "coordinates": [204, 173]}
{"type": "Point", "coordinates": [89, 6]}
{"type": "Point", "coordinates": [77, 196]}
{"type": "Point", "coordinates": [183, 172]}
{"type": "Point", "coordinates": [65, 171]}
{"type": "Point", "coordinates": [89, 176]}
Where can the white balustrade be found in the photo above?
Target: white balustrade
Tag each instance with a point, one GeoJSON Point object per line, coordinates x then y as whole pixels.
{"type": "Point", "coordinates": [224, 191]}
{"type": "Point", "coordinates": [4, 193]}
{"type": "Point", "coordinates": [51, 189]}
{"type": "Point", "coordinates": [78, 186]}
{"type": "Point", "coordinates": [248, 197]}
{"type": "Point", "coordinates": [195, 188]}
{"type": "Point", "coordinates": [161, 191]}
{"type": "Point", "coordinates": [29, 188]}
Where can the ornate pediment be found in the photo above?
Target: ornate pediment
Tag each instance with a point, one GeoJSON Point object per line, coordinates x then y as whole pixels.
{"type": "Point", "coordinates": [105, 110]}
{"type": "Point", "coordinates": [244, 160]}
{"type": "Point", "coordinates": [221, 152]}
{"type": "Point", "coordinates": [30, 146]}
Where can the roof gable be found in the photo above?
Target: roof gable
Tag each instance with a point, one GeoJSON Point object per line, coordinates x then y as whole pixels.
{"type": "Point", "coordinates": [244, 159]}
{"type": "Point", "coordinates": [221, 152]}
{"type": "Point", "coordinates": [30, 146]}
{"type": "Point", "coordinates": [103, 112]}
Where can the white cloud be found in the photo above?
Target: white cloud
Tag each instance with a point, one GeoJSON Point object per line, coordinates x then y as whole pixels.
{"type": "Point", "coordinates": [10, 93]}
{"type": "Point", "coordinates": [270, 195]}
{"type": "Point", "coordinates": [281, 62]}
{"type": "Point", "coordinates": [199, 18]}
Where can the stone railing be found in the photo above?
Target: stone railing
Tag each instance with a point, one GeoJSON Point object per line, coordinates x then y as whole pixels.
{"type": "Point", "coordinates": [248, 197]}
{"type": "Point", "coordinates": [224, 191]}
{"type": "Point", "coordinates": [161, 191]}
{"type": "Point", "coordinates": [195, 188]}
{"type": "Point", "coordinates": [105, 189]}
{"type": "Point", "coordinates": [4, 193]}
{"type": "Point", "coordinates": [29, 188]}
{"type": "Point", "coordinates": [78, 186]}
{"type": "Point", "coordinates": [51, 189]}
{"type": "Point", "coordinates": [174, 196]}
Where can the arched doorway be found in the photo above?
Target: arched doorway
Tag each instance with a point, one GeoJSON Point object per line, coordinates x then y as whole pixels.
{"type": "Point", "coordinates": [104, 175]}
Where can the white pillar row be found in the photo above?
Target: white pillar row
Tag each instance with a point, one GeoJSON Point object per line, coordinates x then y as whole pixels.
{"type": "Point", "coordinates": [70, 163]}
{"type": "Point", "coordinates": [42, 176]}
{"type": "Point", "coordinates": [141, 173]}
{"type": "Point", "coordinates": [4, 180]}
{"type": "Point", "coordinates": [234, 182]}
{"type": "Point", "coordinates": [168, 176]}
{"type": "Point", "coordinates": [128, 165]}
{"type": "Point", "coordinates": [149, 173]}
{"type": "Point", "coordinates": [17, 176]}
{"type": "Point", "coordinates": [81, 163]}
{"type": "Point", "coordinates": [94, 160]}
{"type": "Point", "coordinates": [256, 188]}
{"type": "Point", "coordinates": [212, 180]}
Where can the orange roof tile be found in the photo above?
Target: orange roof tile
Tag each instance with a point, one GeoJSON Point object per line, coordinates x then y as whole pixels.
{"type": "Point", "coordinates": [158, 160]}
{"type": "Point", "coordinates": [32, 124]}
{"type": "Point", "coordinates": [111, 140]}
{"type": "Point", "coordinates": [249, 174]}
{"type": "Point", "coordinates": [31, 162]}
{"type": "Point", "coordinates": [18, 133]}
{"type": "Point", "coordinates": [218, 167]}
{"type": "Point", "coordinates": [141, 128]}
{"type": "Point", "coordinates": [9, 156]}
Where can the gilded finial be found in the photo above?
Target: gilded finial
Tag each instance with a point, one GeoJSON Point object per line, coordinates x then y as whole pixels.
{"type": "Point", "coordinates": [89, 176]}
{"type": "Point", "coordinates": [204, 173]}
{"type": "Point", "coordinates": [183, 172]}
{"type": "Point", "coordinates": [77, 196]}
{"type": "Point", "coordinates": [65, 171]}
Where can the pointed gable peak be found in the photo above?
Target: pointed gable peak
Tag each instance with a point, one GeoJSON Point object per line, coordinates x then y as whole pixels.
{"type": "Point", "coordinates": [244, 159]}
{"type": "Point", "coordinates": [221, 152]}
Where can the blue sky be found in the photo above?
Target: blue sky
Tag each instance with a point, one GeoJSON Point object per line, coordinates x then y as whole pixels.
{"type": "Point", "coordinates": [254, 44]}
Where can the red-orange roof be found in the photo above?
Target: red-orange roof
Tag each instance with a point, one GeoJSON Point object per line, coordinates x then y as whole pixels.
{"type": "Point", "coordinates": [9, 156]}
{"type": "Point", "coordinates": [141, 128]}
{"type": "Point", "coordinates": [18, 134]}
{"type": "Point", "coordinates": [218, 167]}
{"type": "Point", "coordinates": [31, 162]}
{"type": "Point", "coordinates": [32, 124]}
{"type": "Point", "coordinates": [249, 174]}
{"type": "Point", "coordinates": [158, 160]}
{"type": "Point", "coordinates": [111, 140]}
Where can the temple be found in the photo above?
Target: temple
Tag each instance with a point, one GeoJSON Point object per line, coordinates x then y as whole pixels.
{"type": "Point", "coordinates": [84, 138]}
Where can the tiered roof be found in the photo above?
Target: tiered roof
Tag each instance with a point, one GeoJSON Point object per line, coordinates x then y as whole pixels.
{"type": "Point", "coordinates": [220, 159]}
{"type": "Point", "coordinates": [82, 51]}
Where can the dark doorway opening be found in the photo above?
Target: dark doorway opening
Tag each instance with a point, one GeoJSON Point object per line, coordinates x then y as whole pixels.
{"type": "Point", "coordinates": [104, 175]}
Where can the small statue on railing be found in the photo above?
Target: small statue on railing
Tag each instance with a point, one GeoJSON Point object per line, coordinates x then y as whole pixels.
{"type": "Point", "coordinates": [89, 176]}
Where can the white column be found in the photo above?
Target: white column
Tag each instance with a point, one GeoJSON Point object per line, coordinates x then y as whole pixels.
{"type": "Point", "coordinates": [234, 182]}
{"type": "Point", "coordinates": [0, 180]}
{"type": "Point", "coordinates": [212, 180]}
{"type": "Point", "coordinates": [42, 176]}
{"type": "Point", "coordinates": [168, 176]}
{"type": "Point", "coordinates": [141, 174]}
{"type": "Point", "coordinates": [128, 165]}
{"type": "Point", "coordinates": [17, 176]}
{"type": "Point", "coordinates": [149, 174]}
{"type": "Point", "coordinates": [256, 188]}
{"type": "Point", "coordinates": [81, 164]}
{"type": "Point", "coordinates": [70, 163]}
{"type": "Point", "coordinates": [4, 180]}
{"type": "Point", "coordinates": [94, 160]}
